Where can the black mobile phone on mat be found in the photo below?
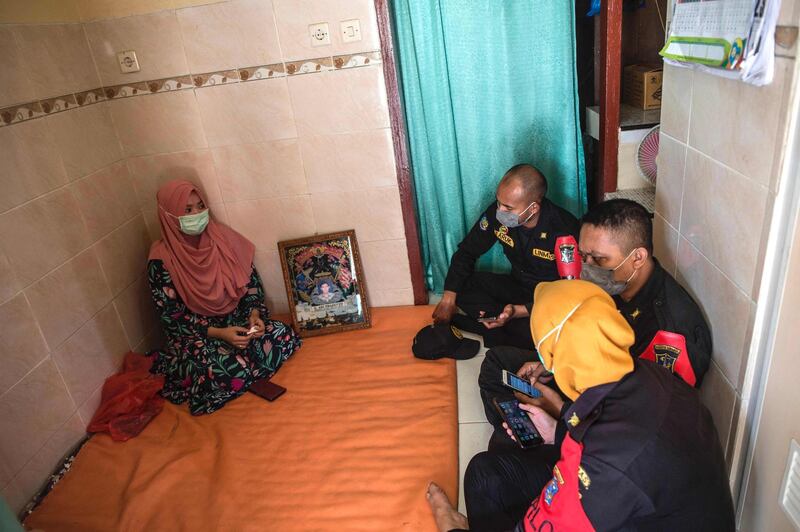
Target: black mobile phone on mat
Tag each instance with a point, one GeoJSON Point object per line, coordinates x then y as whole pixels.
{"type": "Point", "coordinates": [267, 389]}
{"type": "Point", "coordinates": [518, 421]}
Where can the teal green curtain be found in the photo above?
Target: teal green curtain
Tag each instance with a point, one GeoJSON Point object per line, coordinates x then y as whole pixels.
{"type": "Point", "coordinates": [486, 84]}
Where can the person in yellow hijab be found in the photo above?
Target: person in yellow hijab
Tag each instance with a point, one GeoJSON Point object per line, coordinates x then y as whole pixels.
{"type": "Point", "coordinates": [638, 450]}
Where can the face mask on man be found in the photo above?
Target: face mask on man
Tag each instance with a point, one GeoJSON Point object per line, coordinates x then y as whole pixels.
{"type": "Point", "coordinates": [194, 224]}
{"type": "Point", "coordinates": [605, 278]}
{"type": "Point", "coordinates": [510, 219]}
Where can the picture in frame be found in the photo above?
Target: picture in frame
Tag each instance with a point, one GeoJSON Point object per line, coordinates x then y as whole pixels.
{"type": "Point", "coordinates": [325, 283]}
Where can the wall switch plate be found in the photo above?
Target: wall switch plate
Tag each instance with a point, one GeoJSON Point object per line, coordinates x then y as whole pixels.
{"type": "Point", "coordinates": [351, 30]}
{"type": "Point", "coordinates": [128, 62]}
{"type": "Point", "coordinates": [319, 34]}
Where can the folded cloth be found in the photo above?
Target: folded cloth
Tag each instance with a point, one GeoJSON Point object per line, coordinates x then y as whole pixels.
{"type": "Point", "coordinates": [129, 400]}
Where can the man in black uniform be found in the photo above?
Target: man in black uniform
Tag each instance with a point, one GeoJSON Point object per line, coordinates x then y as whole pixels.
{"type": "Point", "coordinates": [616, 245]}
{"type": "Point", "coordinates": [526, 224]}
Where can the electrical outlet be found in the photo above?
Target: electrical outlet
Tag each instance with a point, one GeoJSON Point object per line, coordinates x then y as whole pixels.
{"type": "Point", "coordinates": [351, 30]}
{"type": "Point", "coordinates": [128, 62]}
{"type": "Point", "coordinates": [319, 34]}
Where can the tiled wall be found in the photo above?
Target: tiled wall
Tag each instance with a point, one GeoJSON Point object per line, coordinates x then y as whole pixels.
{"type": "Point", "coordinates": [719, 161]}
{"type": "Point", "coordinates": [287, 140]}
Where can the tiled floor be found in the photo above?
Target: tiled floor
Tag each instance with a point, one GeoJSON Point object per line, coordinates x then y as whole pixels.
{"type": "Point", "coordinates": [473, 430]}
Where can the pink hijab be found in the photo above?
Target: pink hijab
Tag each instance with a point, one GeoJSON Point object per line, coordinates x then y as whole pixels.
{"type": "Point", "coordinates": [211, 270]}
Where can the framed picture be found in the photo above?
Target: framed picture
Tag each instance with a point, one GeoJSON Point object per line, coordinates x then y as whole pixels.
{"type": "Point", "coordinates": [325, 283]}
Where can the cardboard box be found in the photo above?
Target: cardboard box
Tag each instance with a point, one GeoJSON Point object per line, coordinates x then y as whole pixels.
{"type": "Point", "coordinates": [641, 86]}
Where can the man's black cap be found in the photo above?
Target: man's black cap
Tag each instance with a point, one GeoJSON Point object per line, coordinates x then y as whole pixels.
{"type": "Point", "coordinates": [444, 340]}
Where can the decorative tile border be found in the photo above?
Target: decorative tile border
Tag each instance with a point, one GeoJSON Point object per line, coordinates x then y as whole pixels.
{"type": "Point", "coordinates": [31, 110]}
{"type": "Point", "coordinates": [357, 60]}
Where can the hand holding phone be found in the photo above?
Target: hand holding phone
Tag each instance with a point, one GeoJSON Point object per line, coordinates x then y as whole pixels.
{"type": "Point", "coordinates": [518, 423]}
{"type": "Point", "coordinates": [521, 385]}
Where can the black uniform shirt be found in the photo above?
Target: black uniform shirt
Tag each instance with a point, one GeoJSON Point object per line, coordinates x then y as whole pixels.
{"type": "Point", "coordinates": [530, 251]}
{"type": "Point", "coordinates": [663, 305]}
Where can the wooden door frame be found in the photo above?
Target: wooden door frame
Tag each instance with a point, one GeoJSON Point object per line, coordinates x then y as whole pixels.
{"type": "Point", "coordinates": [405, 180]}
{"type": "Point", "coordinates": [610, 80]}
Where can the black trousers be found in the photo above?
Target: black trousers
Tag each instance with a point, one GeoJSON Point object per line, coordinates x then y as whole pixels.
{"type": "Point", "coordinates": [499, 487]}
{"type": "Point", "coordinates": [490, 292]}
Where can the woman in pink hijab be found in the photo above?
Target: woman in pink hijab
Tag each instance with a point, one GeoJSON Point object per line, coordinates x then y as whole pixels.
{"type": "Point", "coordinates": [211, 303]}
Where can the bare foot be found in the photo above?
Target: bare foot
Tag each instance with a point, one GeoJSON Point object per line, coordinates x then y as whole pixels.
{"type": "Point", "coordinates": [446, 517]}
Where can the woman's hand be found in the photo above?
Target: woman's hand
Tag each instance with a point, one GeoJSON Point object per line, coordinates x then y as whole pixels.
{"type": "Point", "coordinates": [550, 401]}
{"type": "Point", "coordinates": [256, 321]}
{"type": "Point", "coordinates": [235, 336]}
{"type": "Point", "coordinates": [534, 371]}
{"type": "Point", "coordinates": [544, 423]}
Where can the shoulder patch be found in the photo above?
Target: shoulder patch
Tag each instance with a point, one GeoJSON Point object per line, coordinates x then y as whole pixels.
{"type": "Point", "coordinates": [543, 254]}
{"type": "Point", "coordinates": [484, 223]}
{"type": "Point", "coordinates": [502, 236]}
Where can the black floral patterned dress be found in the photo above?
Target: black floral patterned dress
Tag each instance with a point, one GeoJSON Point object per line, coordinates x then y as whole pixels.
{"type": "Point", "coordinates": [208, 372]}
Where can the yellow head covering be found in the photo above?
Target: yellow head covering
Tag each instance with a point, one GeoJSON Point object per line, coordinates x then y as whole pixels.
{"type": "Point", "coordinates": [580, 335]}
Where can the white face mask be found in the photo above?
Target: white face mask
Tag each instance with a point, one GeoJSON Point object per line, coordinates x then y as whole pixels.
{"type": "Point", "coordinates": [557, 330]}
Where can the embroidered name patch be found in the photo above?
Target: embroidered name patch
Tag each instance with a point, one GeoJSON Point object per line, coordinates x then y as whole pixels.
{"type": "Point", "coordinates": [502, 236]}
{"type": "Point", "coordinates": [542, 254]}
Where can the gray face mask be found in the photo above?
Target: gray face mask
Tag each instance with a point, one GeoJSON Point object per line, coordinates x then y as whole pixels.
{"type": "Point", "coordinates": [510, 220]}
{"type": "Point", "coordinates": [605, 278]}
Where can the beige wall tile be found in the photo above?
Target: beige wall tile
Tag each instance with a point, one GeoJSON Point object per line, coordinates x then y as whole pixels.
{"type": "Point", "coordinates": [220, 36]}
{"type": "Point", "coordinates": [150, 172]}
{"type": "Point", "coordinates": [391, 298]}
{"type": "Point", "coordinates": [665, 243]}
{"type": "Point", "coordinates": [22, 346]}
{"type": "Point", "coordinates": [89, 407]}
{"type": "Point", "coordinates": [27, 424]}
{"type": "Point", "coordinates": [669, 187]}
{"type": "Point", "coordinates": [727, 115]}
{"type": "Point", "coordinates": [123, 254]}
{"type": "Point", "coordinates": [41, 11]}
{"type": "Point", "coordinates": [85, 139]}
{"type": "Point", "coordinates": [267, 221]}
{"type": "Point", "coordinates": [31, 167]}
{"type": "Point", "coordinates": [722, 216]}
{"type": "Point", "coordinates": [106, 199]}
{"type": "Point", "coordinates": [93, 353]}
{"type": "Point", "coordinates": [351, 161]}
{"type": "Point", "coordinates": [9, 284]}
{"type": "Point", "coordinates": [385, 265]}
{"type": "Point", "coordinates": [374, 213]}
{"type": "Point", "coordinates": [279, 308]}
{"type": "Point", "coordinates": [15, 85]}
{"type": "Point", "coordinates": [155, 37]}
{"type": "Point", "coordinates": [152, 222]}
{"type": "Point", "coordinates": [166, 122]}
{"type": "Point", "coordinates": [268, 265]}
{"type": "Point", "coordinates": [676, 101]}
{"type": "Point", "coordinates": [719, 397]}
{"type": "Point", "coordinates": [726, 308]}
{"type": "Point", "coordinates": [255, 111]}
{"type": "Point", "coordinates": [102, 9]}
{"type": "Point", "coordinates": [294, 16]}
{"type": "Point", "coordinates": [136, 310]}
{"type": "Point", "coordinates": [37, 471]}
{"type": "Point", "coordinates": [67, 297]}
{"type": "Point", "coordinates": [263, 170]}
{"type": "Point", "coordinates": [14, 496]}
{"type": "Point", "coordinates": [339, 102]}
{"type": "Point", "coordinates": [152, 340]}
{"type": "Point", "coordinates": [42, 234]}
{"type": "Point", "coordinates": [57, 57]}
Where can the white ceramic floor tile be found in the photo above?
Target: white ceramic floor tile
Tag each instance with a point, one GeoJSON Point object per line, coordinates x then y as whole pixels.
{"type": "Point", "coordinates": [472, 439]}
{"type": "Point", "coordinates": [470, 407]}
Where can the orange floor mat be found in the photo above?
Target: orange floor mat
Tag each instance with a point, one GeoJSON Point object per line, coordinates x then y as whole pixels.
{"type": "Point", "coordinates": [350, 447]}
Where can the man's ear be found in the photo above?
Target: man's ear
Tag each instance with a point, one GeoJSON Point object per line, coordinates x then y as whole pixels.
{"type": "Point", "coordinates": [640, 256]}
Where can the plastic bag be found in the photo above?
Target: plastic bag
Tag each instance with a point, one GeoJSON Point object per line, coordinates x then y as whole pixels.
{"type": "Point", "coordinates": [129, 400]}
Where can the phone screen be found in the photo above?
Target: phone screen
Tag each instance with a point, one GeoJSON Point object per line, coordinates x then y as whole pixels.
{"type": "Point", "coordinates": [521, 385]}
{"type": "Point", "coordinates": [519, 423]}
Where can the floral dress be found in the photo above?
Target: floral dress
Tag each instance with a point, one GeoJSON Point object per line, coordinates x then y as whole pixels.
{"type": "Point", "coordinates": [208, 372]}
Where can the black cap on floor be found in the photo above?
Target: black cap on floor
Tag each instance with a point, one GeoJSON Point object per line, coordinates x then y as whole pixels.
{"type": "Point", "coordinates": [444, 340]}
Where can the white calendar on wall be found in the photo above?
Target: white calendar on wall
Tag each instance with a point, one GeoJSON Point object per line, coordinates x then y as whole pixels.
{"type": "Point", "coordinates": [734, 38]}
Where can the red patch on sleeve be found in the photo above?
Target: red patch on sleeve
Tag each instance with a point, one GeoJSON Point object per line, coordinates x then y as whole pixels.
{"type": "Point", "coordinates": [668, 349]}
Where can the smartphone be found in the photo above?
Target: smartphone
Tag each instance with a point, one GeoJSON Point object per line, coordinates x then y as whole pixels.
{"type": "Point", "coordinates": [521, 385]}
{"type": "Point", "coordinates": [267, 389]}
{"type": "Point", "coordinates": [486, 319]}
{"type": "Point", "coordinates": [518, 421]}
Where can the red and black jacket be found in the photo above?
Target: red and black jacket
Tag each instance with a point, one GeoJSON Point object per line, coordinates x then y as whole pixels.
{"type": "Point", "coordinates": [641, 454]}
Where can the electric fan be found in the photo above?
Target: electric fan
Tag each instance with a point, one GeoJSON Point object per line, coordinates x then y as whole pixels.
{"type": "Point", "coordinates": [646, 155]}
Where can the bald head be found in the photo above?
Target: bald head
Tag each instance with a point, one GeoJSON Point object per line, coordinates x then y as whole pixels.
{"type": "Point", "coordinates": [528, 179]}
